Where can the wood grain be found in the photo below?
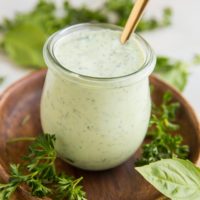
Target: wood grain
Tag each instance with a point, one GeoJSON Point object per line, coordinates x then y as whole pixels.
{"type": "Point", "coordinates": [19, 116]}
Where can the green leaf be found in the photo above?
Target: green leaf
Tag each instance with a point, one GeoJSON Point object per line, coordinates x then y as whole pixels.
{"type": "Point", "coordinates": [42, 156]}
{"type": "Point", "coordinates": [40, 175]}
{"type": "Point", "coordinates": [152, 23]}
{"type": "Point", "coordinates": [2, 79]}
{"type": "Point", "coordinates": [175, 178]}
{"type": "Point", "coordinates": [172, 71]}
{"type": "Point", "coordinates": [81, 15]}
{"type": "Point", "coordinates": [7, 189]}
{"type": "Point", "coordinates": [196, 59]}
{"type": "Point", "coordinates": [24, 44]}
{"type": "Point", "coordinates": [164, 144]}
{"type": "Point", "coordinates": [69, 188]}
{"type": "Point", "coordinates": [37, 188]}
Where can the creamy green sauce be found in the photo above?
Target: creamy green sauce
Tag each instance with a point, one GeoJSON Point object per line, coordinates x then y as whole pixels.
{"type": "Point", "coordinates": [99, 53]}
{"type": "Point", "coordinates": [97, 127]}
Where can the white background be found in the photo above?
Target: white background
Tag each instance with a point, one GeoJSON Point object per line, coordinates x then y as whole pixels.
{"type": "Point", "coordinates": [180, 40]}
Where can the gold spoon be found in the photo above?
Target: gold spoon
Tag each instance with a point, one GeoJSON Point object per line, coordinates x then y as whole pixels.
{"type": "Point", "coordinates": [133, 19]}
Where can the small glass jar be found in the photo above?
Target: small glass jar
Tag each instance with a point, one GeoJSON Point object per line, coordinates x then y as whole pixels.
{"type": "Point", "coordinates": [98, 122]}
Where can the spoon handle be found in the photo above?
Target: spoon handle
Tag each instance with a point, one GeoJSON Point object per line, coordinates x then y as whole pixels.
{"type": "Point", "coordinates": [133, 19]}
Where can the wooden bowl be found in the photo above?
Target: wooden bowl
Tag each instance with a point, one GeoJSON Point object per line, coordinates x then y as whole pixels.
{"type": "Point", "coordinates": [19, 116]}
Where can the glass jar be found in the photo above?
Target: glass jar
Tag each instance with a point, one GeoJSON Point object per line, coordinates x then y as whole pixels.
{"type": "Point", "coordinates": [98, 122]}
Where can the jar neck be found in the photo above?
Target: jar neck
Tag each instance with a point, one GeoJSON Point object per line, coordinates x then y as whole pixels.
{"type": "Point", "coordinates": [144, 71]}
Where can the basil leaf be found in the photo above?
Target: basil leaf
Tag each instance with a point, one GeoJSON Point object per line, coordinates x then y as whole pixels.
{"type": "Point", "coordinates": [176, 178]}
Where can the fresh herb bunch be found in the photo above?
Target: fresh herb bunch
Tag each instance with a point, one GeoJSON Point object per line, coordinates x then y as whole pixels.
{"type": "Point", "coordinates": [24, 36]}
{"type": "Point", "coordinates": [161, 128]}
{"type": "Point", "coordinates": [175, 178]}
{"type": "Point", "coordinates": [17, 178]}
{"type": "Point", "coordinates": [39, 174]}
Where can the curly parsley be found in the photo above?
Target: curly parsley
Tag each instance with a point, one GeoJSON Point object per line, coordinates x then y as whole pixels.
{"type": "Point", "coordinates": [161, 128]}
{"type": "Point", "coordinates": [40, 175]}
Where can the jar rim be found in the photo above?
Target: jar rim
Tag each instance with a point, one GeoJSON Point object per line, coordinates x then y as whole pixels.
{"type": "Point", "coordinates": [145, 70]}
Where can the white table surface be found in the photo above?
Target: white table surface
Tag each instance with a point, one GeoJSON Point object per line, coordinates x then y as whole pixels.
{"type": "Point", "coordinates": [180, 40]}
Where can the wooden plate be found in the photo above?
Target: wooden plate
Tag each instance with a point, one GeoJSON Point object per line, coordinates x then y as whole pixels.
{"type": "Point", "coordinates": [19, 116]}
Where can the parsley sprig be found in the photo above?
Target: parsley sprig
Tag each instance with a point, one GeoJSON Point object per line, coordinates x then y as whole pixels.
{"type": "Point", "coordinates": [161, 128]}
{"type": "Point", "coordinates": [74, 191]}
{"type": "Point", "coordinates": [42, 156]}
{"type": "Point", "coordinates": [39, 174]}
